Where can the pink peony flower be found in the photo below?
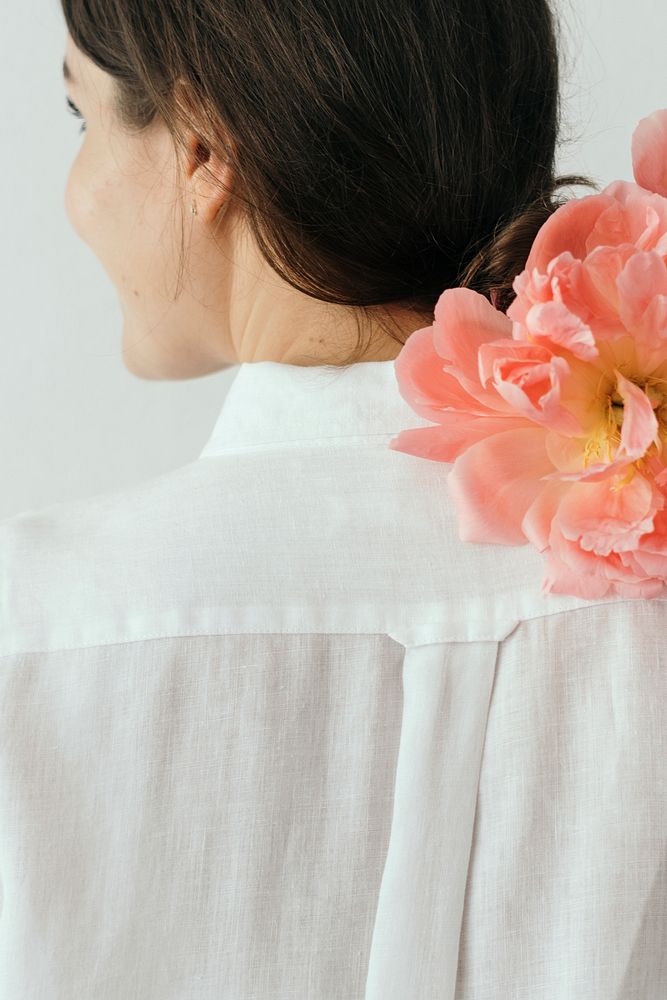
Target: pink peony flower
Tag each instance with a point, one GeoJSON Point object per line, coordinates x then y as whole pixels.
{"type": "Point", "coordinates": [555, 413]}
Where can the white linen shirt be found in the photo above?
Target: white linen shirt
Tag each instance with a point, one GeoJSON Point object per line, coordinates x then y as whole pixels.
{"type": "Point", "coordinates": [270, 729]}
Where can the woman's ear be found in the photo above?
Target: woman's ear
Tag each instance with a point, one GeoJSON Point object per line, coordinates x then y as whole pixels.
{"type": "Point", "coordinates": [208, 174]}
{"type": "Point", "coordinates": [210, 179]}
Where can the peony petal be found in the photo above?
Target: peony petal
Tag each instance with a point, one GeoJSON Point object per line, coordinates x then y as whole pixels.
{"type": "Point", "coordinates": [537, 521]}
{"type": "Point", "coordinates": [565, 453]}
{"type": "Point", "coordinates": [650, 556]}
{"type": "Point", "coordinates": [639, 589]}
{"type": "Point", "coordinates": [464, 320]}
{"type": "Point", "coordinates": [425, 385]}
{"type": "Point", "coordinates": [642, 278]}
{"type": "Point", "coordinates": [598, 575]}
{"type": "Point", "coordinates": [612, 228]}
{"type": "Point", "coordinates": [640, 425]}
{"type": "Point", "coordinates": [554, 324]}
{"type": "Point", "coordinates": [649, 152]}
{"type": "Point", "coordinates": [495, 481]}
{"type": "Point", "coordinates": [535, 392]}
{"type": "Point", "coordinates": [593, 473]}
{"type": "Point", "coordinates": [455, 433]}
{"type": "Point", "coordinates": [560, 579]}
{"type": "Point", "coordinates": [585, 582]}
{"type": "Point", "coordinates": [651, 335]}
{"type": "Point", "coordinates": [563, 282]}
{"type": "Point", "coordinates": [570, 570]}
{"type": "Point", "coordinates": [602, 519]}
{"type": "Point", "coordinates": [508, 349]}
{"type": "Point", "coordinates": [530, 287]}
{"type": "Point", "coordinates": [642, 303]}
{"type": "Point", "coordinates": [599, 273]}
{"type": "Point", "coordinates": [567, 228]}
{"type": "Point", "coordinates": [640, 220]}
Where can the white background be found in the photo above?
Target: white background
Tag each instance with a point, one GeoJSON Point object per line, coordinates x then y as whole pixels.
{"type": "Point", "coordinates": [74, 421]}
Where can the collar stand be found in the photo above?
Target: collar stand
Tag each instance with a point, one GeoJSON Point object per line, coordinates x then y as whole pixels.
{"type": "Point", "coordinates": [269, 403]}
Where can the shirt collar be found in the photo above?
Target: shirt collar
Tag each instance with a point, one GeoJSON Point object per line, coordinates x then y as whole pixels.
{"type": "Point", "coordinates": [270, 402]}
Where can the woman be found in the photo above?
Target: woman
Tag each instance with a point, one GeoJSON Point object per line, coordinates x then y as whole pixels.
{"type": "Point", "coordinates": [269, 729]}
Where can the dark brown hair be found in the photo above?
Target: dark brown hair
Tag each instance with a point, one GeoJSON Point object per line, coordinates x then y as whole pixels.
{"type": "Point", "coordinates": [384, 151]}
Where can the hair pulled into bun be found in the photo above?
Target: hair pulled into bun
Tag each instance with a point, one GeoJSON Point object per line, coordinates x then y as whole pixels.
{"type": "Point", "coordinates": [492, 270]}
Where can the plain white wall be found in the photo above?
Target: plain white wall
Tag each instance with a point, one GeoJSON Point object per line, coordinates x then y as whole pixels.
{"type": "Point", "coordinates": [74, 421]}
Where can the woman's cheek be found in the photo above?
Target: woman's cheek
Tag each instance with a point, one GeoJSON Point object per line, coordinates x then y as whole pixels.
{"type": "Point", "coordinates": [121, 206]}
{"type": "Point", "coordinates": [79, 200]}
{"type": "Point", "coordinates": [72, 200]}
{"type": "Point", "coordinates": [91, 204]}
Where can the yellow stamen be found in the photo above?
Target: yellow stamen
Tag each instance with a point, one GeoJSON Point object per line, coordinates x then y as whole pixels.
{"type": "Point", "coordinates": [620, 483]}
{"type": "Point", "coordinates": [608, 433]}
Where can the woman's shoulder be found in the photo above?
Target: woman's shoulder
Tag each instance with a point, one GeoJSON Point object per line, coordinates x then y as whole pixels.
{"type": "Point", "coordinates": [77, 560]}
{"type": "Point", "coordinates": [322, 538]}
{"type": "Point", "coordinates": [61, 527]}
